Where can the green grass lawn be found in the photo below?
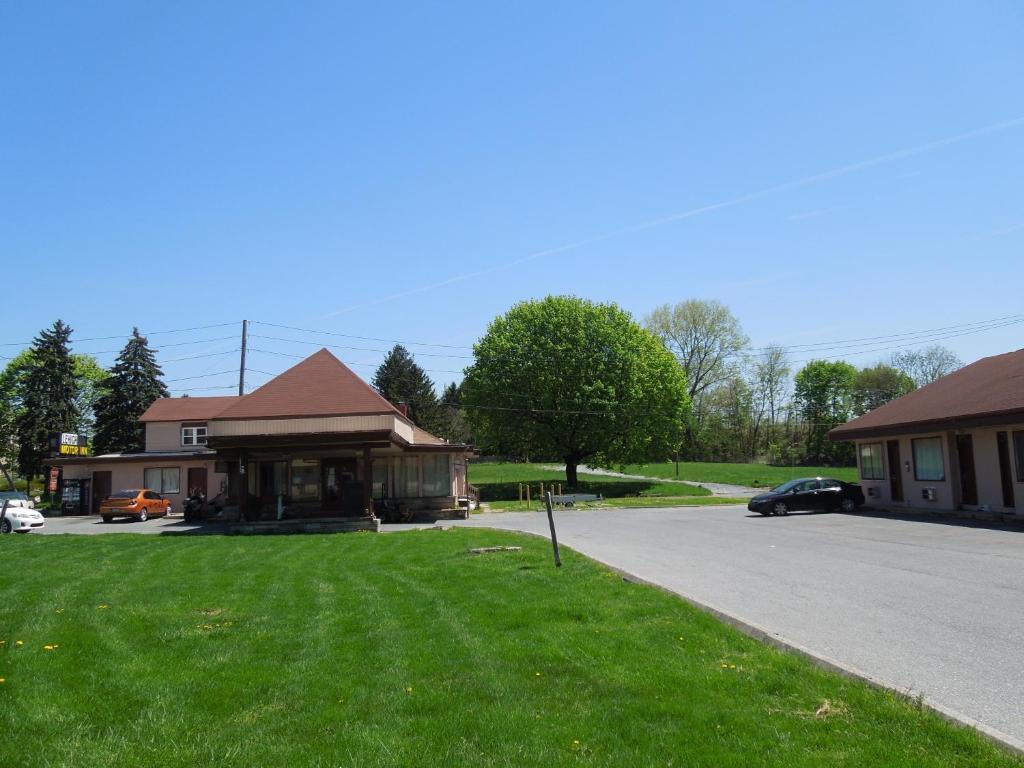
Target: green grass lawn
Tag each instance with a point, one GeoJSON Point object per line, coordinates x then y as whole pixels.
{"type": "Point", "coordinates": [405, 650]}
{"type": "Point", "coordinates": [753, 475]}
{"type": "Point", "coordinates": [499, 481]}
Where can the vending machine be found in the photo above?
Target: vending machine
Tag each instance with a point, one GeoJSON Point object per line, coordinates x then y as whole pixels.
{"type": "Point", "coordinates": [75, 498]}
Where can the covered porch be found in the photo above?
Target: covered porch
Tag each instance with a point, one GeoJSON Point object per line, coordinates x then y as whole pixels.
{"type": "Point", "coordinates": [337, 481]}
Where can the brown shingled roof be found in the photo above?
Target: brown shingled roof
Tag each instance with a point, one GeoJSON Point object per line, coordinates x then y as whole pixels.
{"type": "Point", "coordinates": [989, 391]}
{"type": "Point", "coordinates": [187, 408]}
{"type": "Point", "coordinates": [321, 385]}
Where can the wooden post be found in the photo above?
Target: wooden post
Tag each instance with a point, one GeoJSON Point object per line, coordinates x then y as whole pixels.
{"type": "Point", "coordinates": [520, 493]}
{"type": "Point", "coordinates": [367, 482]}
{"type": "Point", "coordinates": [542, 490]}
{"type": "Point", "coordinates": [551, 525]}
{"type": "Point", "coordinates": [527, 495]}
{"type": "Point", "coordinates": [243, 484]}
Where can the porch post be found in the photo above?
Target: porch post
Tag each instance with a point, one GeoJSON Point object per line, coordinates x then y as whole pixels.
{"type": "Point", "coordinates": [243, 484]}
{"type": "Point", "coordinates": [367, 482]}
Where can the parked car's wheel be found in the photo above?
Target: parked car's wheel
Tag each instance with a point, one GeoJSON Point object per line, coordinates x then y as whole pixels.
{"type": "Point", "coordinates": [108, 518]}
{"type": "Point", "coordinates": [780, 508]}
{"type": "Point", "coordinates": [143, 515]}
{"type": "Point", "coordinates": [848, 505]}
{"type": "Point", "coordinates": [5, 526]}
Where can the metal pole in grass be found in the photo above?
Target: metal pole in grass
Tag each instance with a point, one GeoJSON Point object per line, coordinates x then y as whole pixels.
{"type": "Point", "coordinates": [551, 524]}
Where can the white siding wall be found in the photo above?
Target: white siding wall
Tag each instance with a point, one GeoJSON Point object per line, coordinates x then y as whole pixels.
{"type": "Point", "coordinates": [226, 428]}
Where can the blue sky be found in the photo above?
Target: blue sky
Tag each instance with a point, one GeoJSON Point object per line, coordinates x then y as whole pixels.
{"type": "Point", "coordinates": [319, 165]}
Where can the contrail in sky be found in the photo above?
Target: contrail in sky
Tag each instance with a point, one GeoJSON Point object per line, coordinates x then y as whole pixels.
{"type": "Point", "coordinates": [806, 180]}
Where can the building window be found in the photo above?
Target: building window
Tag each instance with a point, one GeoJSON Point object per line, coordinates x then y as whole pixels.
{"type": "Point", "coordinates": [1018, 454]}
{"type": "Point", "coordinates": [305, 483]}
{"type": "Point", "coordinates": [928, 459]}
{"type": "Point", "coordinates": [193, 435]}
{"type": "Point", "coordinates": [162, 479]}
{"type": "Point", "coordinates": [380, 478]}
{"type": "Point", "coordinates": [407, 480]}
{"type": "Point", "coordinates": [272, 478]}
{"type": "Point", "coordinates": [871, 462]}
{"type": "Point", "coordinates": [436, 475]}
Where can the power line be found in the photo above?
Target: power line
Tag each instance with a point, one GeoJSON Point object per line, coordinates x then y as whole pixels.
{"type": "Point", "coordinates": [199, 376]}
{"type": "Point", "coordinates": [346, 362]}
{"type": "Point", "coordinates": [126, 336]}
{"type": "Point", "coordinates": [362, 338]}
{"type": "Point", "coordinates": [361, 349]}
{"type": "Point", "coordinates": [893, 336]}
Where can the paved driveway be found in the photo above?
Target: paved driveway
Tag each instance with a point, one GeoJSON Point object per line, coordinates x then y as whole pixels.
{"type": "Point", "coordinates": [927, 607]}
{"type": "Point", "coordinates": [92, 524]}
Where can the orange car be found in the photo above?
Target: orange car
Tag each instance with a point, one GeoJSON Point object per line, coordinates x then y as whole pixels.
{"type": "Point", "coordinates": [140, 504]}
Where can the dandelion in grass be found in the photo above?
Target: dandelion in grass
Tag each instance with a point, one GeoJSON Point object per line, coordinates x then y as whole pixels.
{"type": "Point", "coordinates": [103, 606]}
{"type": "Point", "coordinates": [3, 680]}
{"type": "Point", "coordinates": [47, 647]}
{"type": "Point", "coordinates": [409, 689]}
{"type": "Point", "coordinates": [19, 642]}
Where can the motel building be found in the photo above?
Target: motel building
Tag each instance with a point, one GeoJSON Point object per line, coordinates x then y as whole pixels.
{"type": "Point", "coordinates": [315, 448]}
{"type": "Point", "coordinates": [956, 444]}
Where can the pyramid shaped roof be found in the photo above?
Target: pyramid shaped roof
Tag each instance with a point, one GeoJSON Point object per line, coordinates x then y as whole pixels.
{"type": "Point", "coordinates": [321, 385]}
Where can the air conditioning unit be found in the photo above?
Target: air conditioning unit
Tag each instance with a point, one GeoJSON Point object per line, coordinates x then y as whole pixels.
{"type": "Point", "coordinates": [928, 494]}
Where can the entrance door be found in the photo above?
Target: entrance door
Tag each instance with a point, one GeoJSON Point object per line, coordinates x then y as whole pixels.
{"type": "Point", "coordinates": [100, 490]}
{"type": "Point", "coordinates": [895, 473]}
{"type": "Point", "coordinates": [335, 475]}
{"type": "Point", "coordinates": [1004, 469]}
{"type": "Point", "coordinates": [196, 480]}
{"type": "Point", "coordinates": [968, 481]}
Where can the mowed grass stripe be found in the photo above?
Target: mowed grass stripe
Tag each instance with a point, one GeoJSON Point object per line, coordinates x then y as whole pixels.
{"type": "Point", "coordinates": [299, 650]}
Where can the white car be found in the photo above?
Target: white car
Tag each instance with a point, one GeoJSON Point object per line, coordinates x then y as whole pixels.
{"type": "Point", "coordinates": [16, 499]}
{"type": "Point", "coordinates": [20, 520]}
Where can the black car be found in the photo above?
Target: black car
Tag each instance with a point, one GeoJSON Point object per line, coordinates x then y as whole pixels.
{"type": "Point", "coordinates": [808, 494]}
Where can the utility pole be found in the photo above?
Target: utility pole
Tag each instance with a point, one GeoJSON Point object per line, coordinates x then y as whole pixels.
{"type": "Point", "coordinates": [241, 364]}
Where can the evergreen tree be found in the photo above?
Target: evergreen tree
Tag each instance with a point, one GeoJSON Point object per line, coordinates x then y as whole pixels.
{"type": "Point", "coordinates": [454, 426]}
{"type": "Point", "coordinates": [400, 380]}
{"type": "Point", "coordinates": [48, 397]}
{"type": "Point", "coordinates": [133, 384]}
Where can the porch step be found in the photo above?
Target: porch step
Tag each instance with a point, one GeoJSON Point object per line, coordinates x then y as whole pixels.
{"type": "Point", "coordinates": [313, 525]}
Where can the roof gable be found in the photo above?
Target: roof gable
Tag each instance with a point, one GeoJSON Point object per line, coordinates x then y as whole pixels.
{"type": "Point", "coordinates": [321, 385]}
{"type": "Point", "coordinates": [992, 386]}
{"type": "Point", "coordinates": [187, 408]}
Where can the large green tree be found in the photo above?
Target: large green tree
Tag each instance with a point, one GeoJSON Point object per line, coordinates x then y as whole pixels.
{"type": "Point", "coordinates": [824, 394]}
{"type": "Point", "coordinates": [878, 385]}
{"type": "Point", "coordinates": [581, 381]}
{"type": "Point", "coordinates": [134, 383]}
{"type": "Point", "coordinates": [400, 380]}
{"type": "Point", "coordinates": [10, 406]}
{"type": "Point", "coordinates": [48, 397]}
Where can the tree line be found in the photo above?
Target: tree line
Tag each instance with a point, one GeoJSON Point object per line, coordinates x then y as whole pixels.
{"type": "Point", "coordinates": [46, 388]}
{"type": "Point", "coordinates": [570, 380]}
{"type": "Point", "coordinates": [559, 378]}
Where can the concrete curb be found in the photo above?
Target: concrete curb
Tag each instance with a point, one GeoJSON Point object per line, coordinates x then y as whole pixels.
{"type": "Point", "coordinates": [1004, 740]}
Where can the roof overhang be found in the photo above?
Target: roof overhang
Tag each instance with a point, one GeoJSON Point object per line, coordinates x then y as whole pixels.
{"type": "Point", "coordinates": [850, 431]}
{"type": "Point", "coordinates": [130, 457]}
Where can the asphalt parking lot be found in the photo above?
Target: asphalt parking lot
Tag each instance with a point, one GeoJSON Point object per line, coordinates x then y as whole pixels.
{"type": "Point", "coordinates": [927, 607]}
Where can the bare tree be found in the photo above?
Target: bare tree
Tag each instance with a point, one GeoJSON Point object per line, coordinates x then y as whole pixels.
{"type": "Point", "coordinates": [926, 365]}
{"type": "Point", "coordinates": [770, 383]}
{"type": "Point", "coordinates": [704, 336]}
